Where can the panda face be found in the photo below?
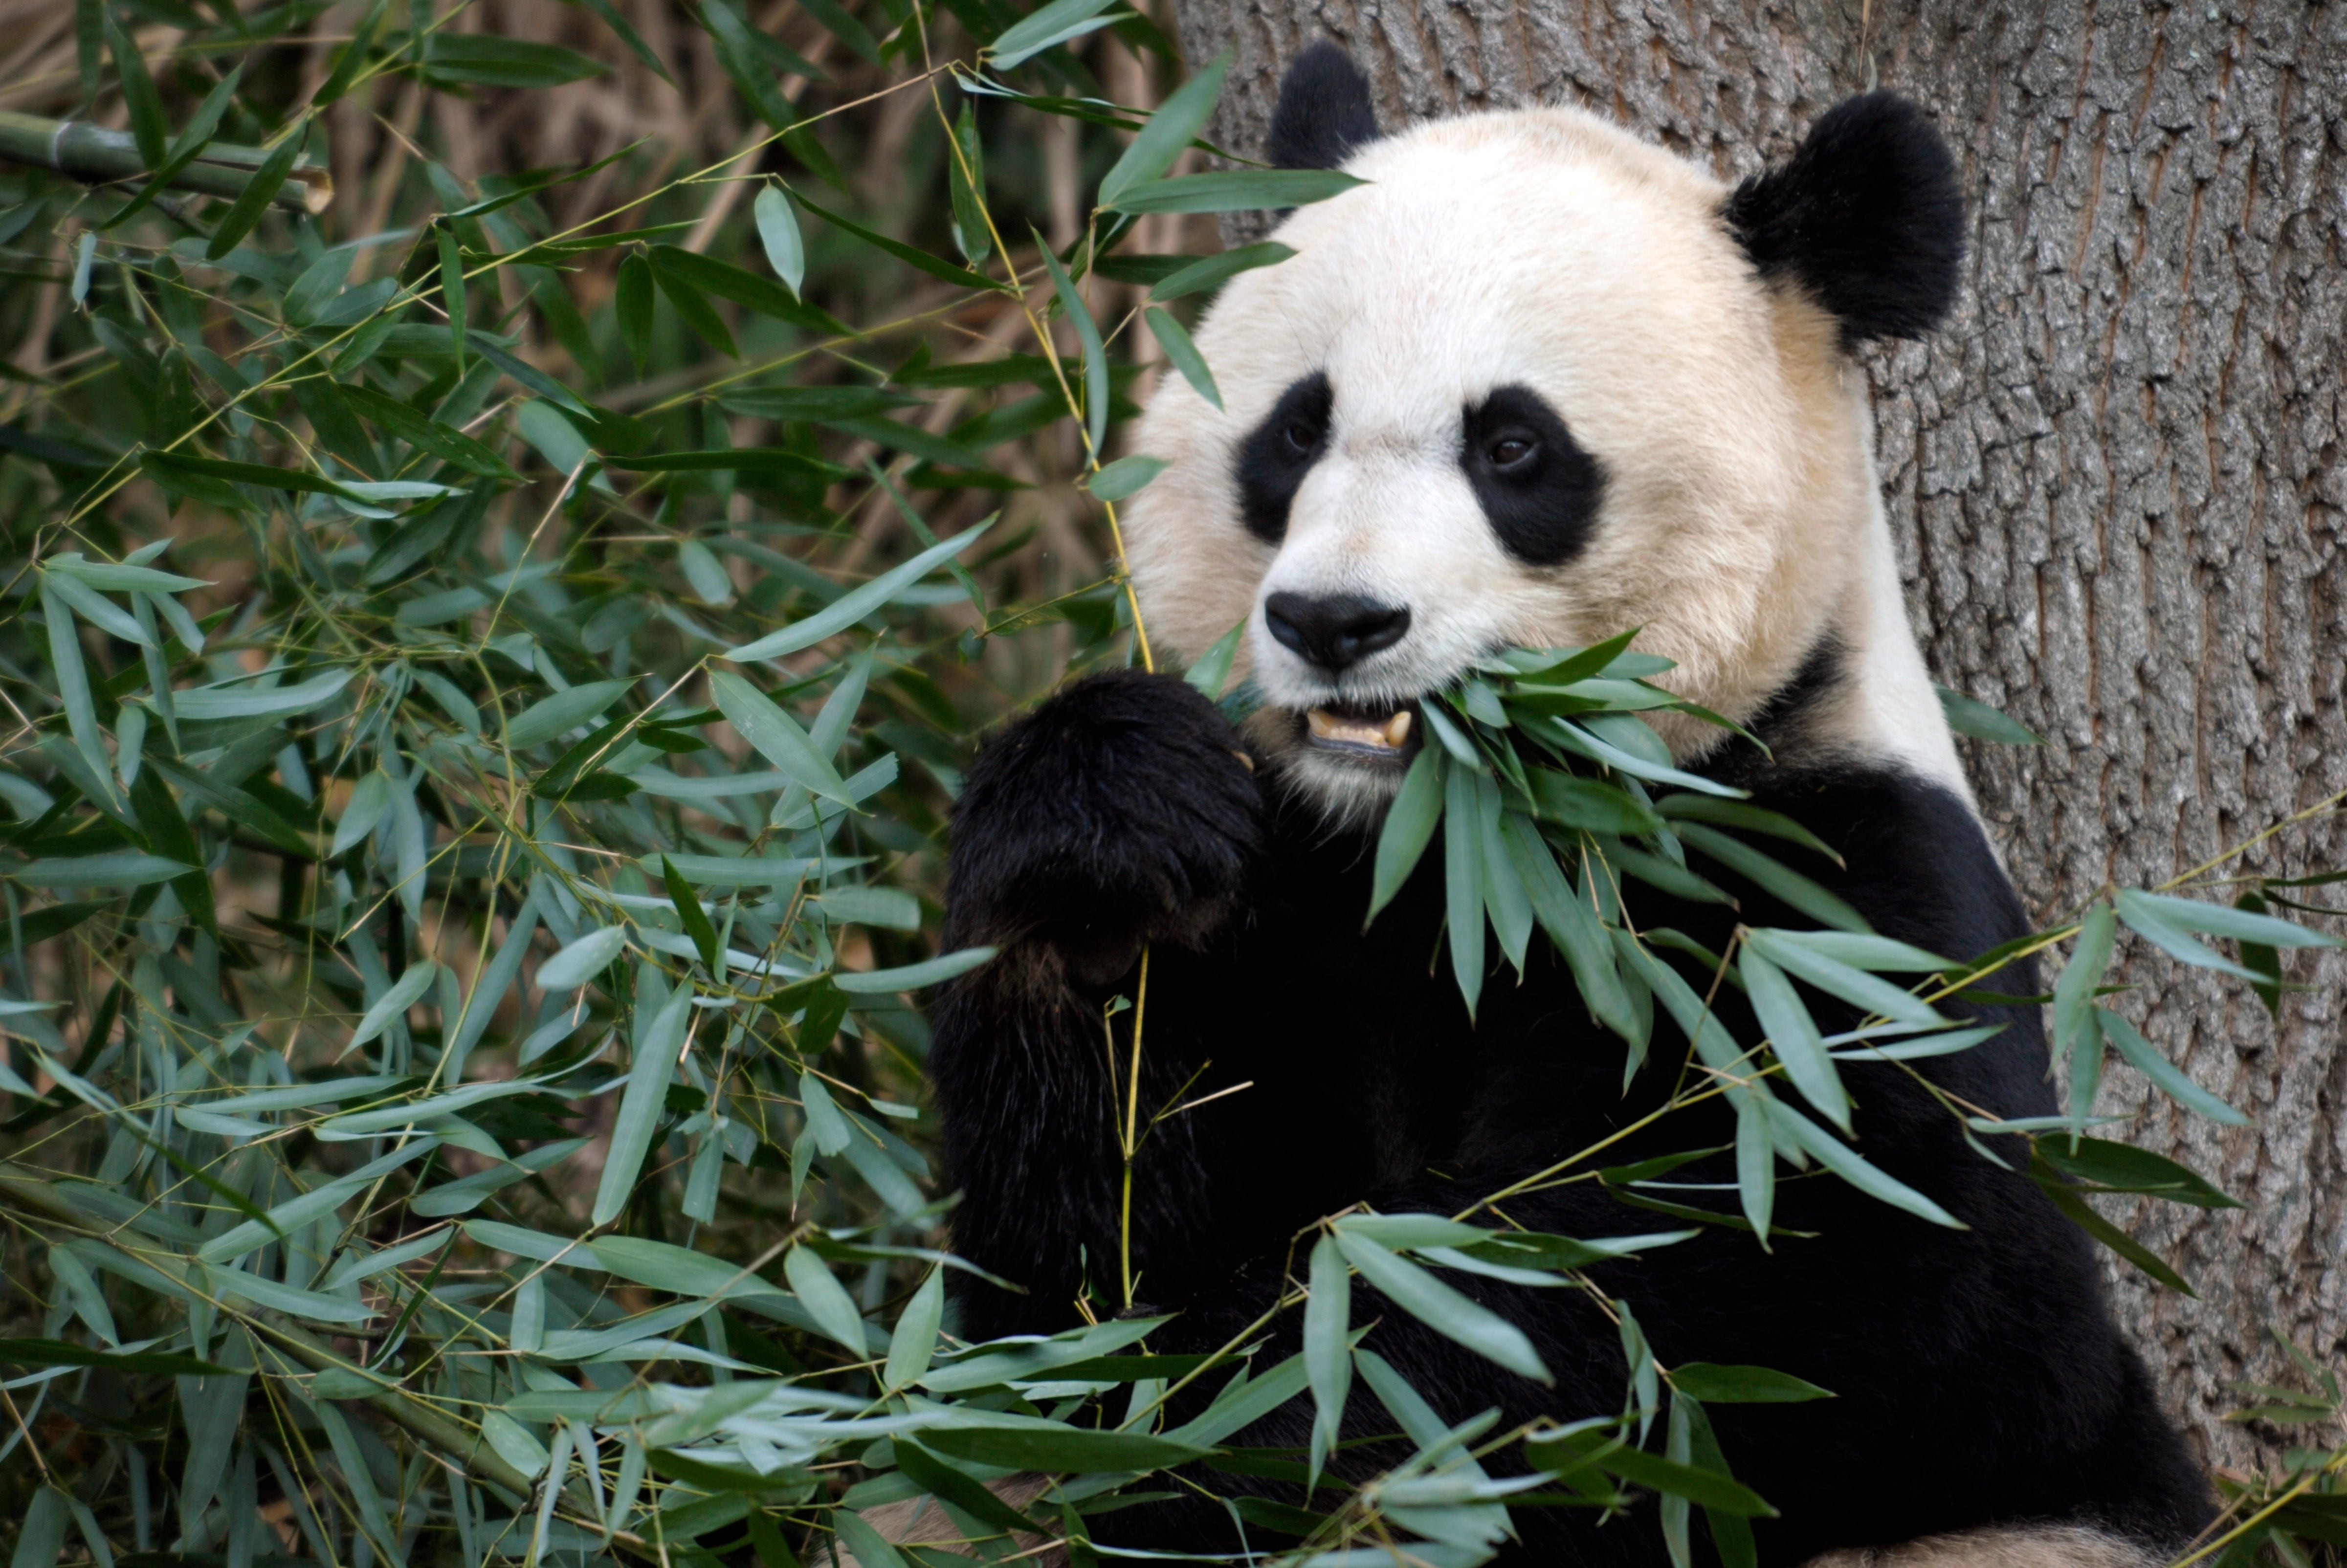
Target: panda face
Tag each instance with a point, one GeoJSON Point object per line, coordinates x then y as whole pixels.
{"type": "Point", "coordinates": [1523, 388]}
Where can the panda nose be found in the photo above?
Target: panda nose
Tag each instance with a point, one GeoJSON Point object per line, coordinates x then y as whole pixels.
{"type": "Point", "coordinates": [1336, 631]}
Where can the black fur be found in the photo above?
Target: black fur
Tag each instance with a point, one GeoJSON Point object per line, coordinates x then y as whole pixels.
{"type": "Point", "coordinates": [1866, 215]}
{"type": "Point", "coordinates": [1537, 486]}
{"type": "Point", "coordinates": [1278, 453]}
{"type": "Point", "coordinates": [1323, 114]}
{"type": "Point", "coordinates": [1979, 1378]}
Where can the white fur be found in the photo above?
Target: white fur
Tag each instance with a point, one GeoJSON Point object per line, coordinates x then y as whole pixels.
{"type": "Point", "coordinates": [1548, 248]}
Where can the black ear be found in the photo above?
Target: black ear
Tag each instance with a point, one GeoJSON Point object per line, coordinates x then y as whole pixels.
{"type": "Point", "coordinates": [1866, 215]}
{"type": "Point", "coordinates": [1323, 113]}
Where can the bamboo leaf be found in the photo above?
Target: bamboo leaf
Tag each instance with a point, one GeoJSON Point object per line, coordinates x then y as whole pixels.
{"type": "Point", "coordinates": [1170, 129]}
{"type": "Point", "coordinates": [777, 736]}
{"type": "Point", "coordinates": [855, 604]}
{"type": "Point", "coordinates": [641, 1105]}
{"type": "Point", "coordinates": [778, 232]}
{"type": "Point", "coordinates": [1443, 1309]}
{"type": "Point", "coordinates": [2147, 1058]}
{"type": "Point", "coordinates": [835, 1312]}
{"type": "Point", "coordinates": [1183, 353]}
{"type": "Point", "coordinates": [1795, 1037]}
{"type": "Point", "coordinates": [1054, 24]}
{"type": "Point", "coordinates": [1327, 1347]}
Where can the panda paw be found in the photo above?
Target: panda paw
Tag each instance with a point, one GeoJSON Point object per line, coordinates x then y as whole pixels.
{"type": "Point", "coordinates": [1120, 811]}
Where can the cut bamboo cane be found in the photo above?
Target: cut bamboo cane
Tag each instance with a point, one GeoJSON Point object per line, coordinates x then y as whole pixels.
{"type": "Point", "coordinates": [98, 156]}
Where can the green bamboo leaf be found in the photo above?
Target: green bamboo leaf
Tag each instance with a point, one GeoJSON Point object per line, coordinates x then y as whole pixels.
{"type": "Point", "coordinates": [1054, 24]}
{"type": "Point", "coordinates": [777, 736]}
{"type": "Point", "coordinates": [1060, 1450]}
{"type": "Point", "coordinates": [1504, 893]}
{"type": "Point", "coordinates": [1846, 1163]}
{"type": "Point", "coordinates": [2076, 1031]}
{"type": "Point", "coordinates": [609, 15]}
{"type": "Point", "coordinates": [451, 288]}
{"type": "Point", "coordinates": [1462, 858]}
{"type": "Point", "coordinates": [1971, 716]}
{"type": "Point", "coordinates": [689, 910]}
{"type": "Point", "coordinates": [493, 60]}
{"type": "Point", "coordinates": [246, 211]}
{"type": "Point", "coordinates": [1212, 272]}
{"type": "Point", "coordinates": [1125, 477]}
{"type": "Point", "coordinates": [96, 608]}
{"type": "Point", "coordinates": [2113, 1167]}
{"type": "Point", "coordinates": [1795, 1037]}
{"type": "Point", "coordinates": [958, 1487]}
{"type": "Point", "coordinates": [727, 281]}
{"type": "Point", "coordinates": [1236, 191]}
{"type": "Point", "coordinates": [290, 1216]}
{"type": "Point", "coordinates": [582, 960]}
{"type": "Point", "coordinates": [2147, 1058]}
{"type": "Point", "coordinates": [118, 577]}
{"type": "Point", "coordinates": [778, 232]}
{"type": "Point", "coordinates": [641, 1105]}
{"type": "Point", "coordinates": [911, 977]}
{"type": "Point", "coordinates": [1721, 813]}
{"type": "Point", "coordinates": [692, 306]}
{"type": "Point", "coordinates": [2083, 1215]}
{"type": "Point", "coordinates": [551, 718]}
{"type": "Point", "coordinates": [1095, 356]}
{"type": "Point", "coordinates": [1774, 878]}
{"type": "Point", "coordinates": [855, 604]}
{"type": "Point", "coordinates": [1183, 353]}
{"type": "Point", "coordinates": [915, 1338]}
{"type": "Point", "coordinates": [192, 139]}
{"type": "Point", "coordinates": [1170, 129]}
{"type": "Point", "coordinates": [138, 94]}
{"type": "Point", "coordinates": [1409, 827]}
{"type": "Point", "coordinates": [1720, 1384]}
{"type": "Point", "coordinates": [62, 1353]}
{"type": "Point", "coordinates": [1443, 1309]}
{"type": "Point", "coordinates": [632, 300]}
{"type": "Point", "coordinates": [1327, 1347]}
{"type": "Point", "coordinates": [835, 1312]}
{"type": "Point", "coordinates": [966, 182]}
{"type": "Point", "coordinates": [1796, 953]}
{"type": "Point", "coordinates": [425, 434]}
{"type": "Point", "coordinates": [394, 1003]}
{"type": "Point", "coordinates": [1756, 1163]}
{"type": "Point", "coordinates": [73, 689]}
{"type": "Point", "coordinates": [919, 260]}
{"type": "Point", "coordinates": [1212, 672]}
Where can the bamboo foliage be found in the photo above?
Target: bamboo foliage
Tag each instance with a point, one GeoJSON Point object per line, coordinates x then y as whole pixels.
{"type": "Point", "coordinates": [487, 663]}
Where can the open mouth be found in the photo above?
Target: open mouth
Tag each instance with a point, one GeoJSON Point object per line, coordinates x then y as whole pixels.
{"type": "Point", "coordinates": [1370, 731]}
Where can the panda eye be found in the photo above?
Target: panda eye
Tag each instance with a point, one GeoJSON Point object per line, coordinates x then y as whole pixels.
{"type": "Point", "coordinates": [1303, 437]}
{"type": "Point", "coordinates": [1510, 451]}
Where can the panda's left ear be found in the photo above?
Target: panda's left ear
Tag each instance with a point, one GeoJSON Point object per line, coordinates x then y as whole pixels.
{"type": "Point", "coordinates": [1866, 215]}
{"type": "Point", "coordinates": [1323, 113]}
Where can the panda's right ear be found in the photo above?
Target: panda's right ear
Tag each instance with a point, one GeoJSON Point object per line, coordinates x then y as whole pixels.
{"type": "Point", "coordinates": [1324, 112]}
{"type": "Point", "coordinates": [1866, 216]}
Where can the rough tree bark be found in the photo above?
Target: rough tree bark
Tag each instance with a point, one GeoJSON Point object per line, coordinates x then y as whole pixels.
{"type": "Point", "coordinates": [2117, 479]}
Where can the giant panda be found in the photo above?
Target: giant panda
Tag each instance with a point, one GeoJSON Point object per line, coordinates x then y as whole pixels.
{"type": "Point", "coordinates": [1533, 383]}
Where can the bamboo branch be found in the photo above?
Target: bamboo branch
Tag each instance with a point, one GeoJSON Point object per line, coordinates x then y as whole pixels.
{"type": "Point", "coordinates": [98, 156]}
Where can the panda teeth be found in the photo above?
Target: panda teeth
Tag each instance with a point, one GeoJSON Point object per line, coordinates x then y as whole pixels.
{"type": "Point", "coordinates": [1390, 735]}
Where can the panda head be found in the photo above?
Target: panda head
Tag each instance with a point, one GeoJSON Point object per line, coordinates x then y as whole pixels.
{"type": "Point", "coordinates": [1534, 382]}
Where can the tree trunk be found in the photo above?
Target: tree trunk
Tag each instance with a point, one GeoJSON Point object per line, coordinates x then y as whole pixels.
{"type": "Point", "coordinates": [2116, 478]}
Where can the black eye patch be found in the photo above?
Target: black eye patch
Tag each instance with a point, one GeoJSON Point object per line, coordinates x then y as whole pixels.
{"type": "Point", "coordinates": [1278, 453]}
{"type": "Point", "coordinates": [1537, 486]}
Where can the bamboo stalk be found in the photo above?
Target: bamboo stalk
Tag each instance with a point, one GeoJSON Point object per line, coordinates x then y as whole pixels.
{"type": "Point", "coordinates": [96, 155]}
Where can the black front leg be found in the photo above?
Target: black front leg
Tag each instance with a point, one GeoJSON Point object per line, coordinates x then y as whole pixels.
{"type": "Point", "coordinates": [1119, 813]}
